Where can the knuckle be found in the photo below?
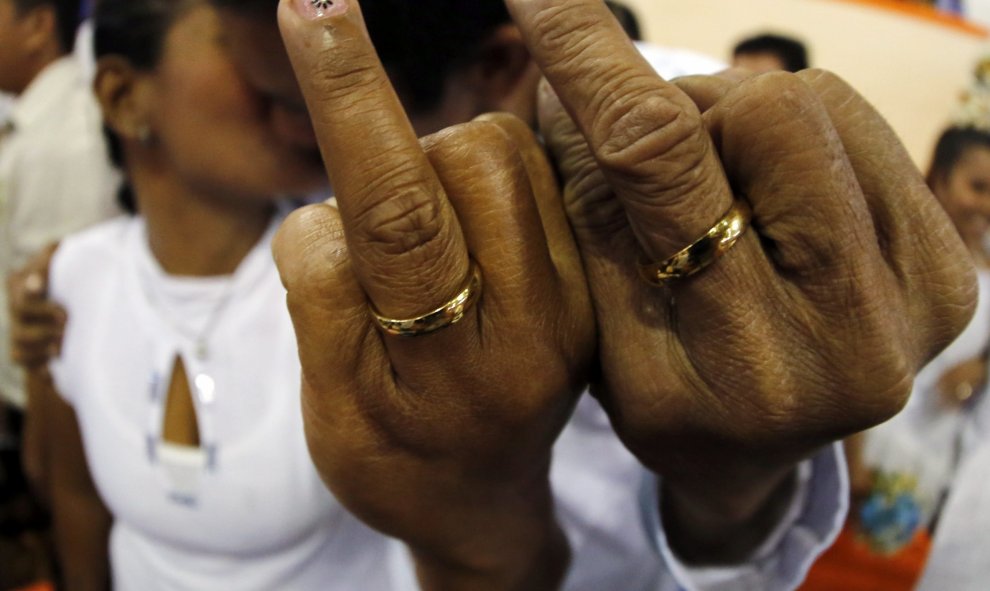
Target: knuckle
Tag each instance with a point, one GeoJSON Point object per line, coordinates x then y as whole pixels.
{"type": "Point", "coordinates": [822, 78]}
{"type": "Point", "coordinates": [649, 136]}
{"type": "Point", "coordinates": [464, 139]}
{"type": "Point", "coordinates": [410, 219]}
{"type": "Point", "coordinates": [336, 85]}
{"type": "Point", "coordinates": [780, 92]}
{"type": "Point", "coordinates": [562, 28]}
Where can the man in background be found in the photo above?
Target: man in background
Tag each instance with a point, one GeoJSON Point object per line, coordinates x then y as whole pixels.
{"type": "Point", "coordinates": [769, 52]}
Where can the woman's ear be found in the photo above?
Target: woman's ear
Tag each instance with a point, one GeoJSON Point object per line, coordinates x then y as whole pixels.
{"type": "Point", "coordinates": [125, 96]}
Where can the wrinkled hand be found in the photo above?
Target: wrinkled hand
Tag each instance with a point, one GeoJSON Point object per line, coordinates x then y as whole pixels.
{"type": "Point", "coordinates": [809, 329]}
{"type": "Point", "coordinates": [36, 323]}
{"type": "Point", "coordinates": [441, 440]}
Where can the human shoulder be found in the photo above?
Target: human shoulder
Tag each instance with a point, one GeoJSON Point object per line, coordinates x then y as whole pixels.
{"type": "Point", "coordinates": [90, 255]}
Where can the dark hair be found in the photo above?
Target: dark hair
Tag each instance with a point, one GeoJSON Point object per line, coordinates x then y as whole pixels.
{"type": "Point", "coordinates": [134, 30]}
{"type": "Point", "coordinates": [627, 18]}
{"type": "Point", "coordinates": [951, 146]}
{"type": "Point", "coordinates": [67, 15]}
{"type": "Point", "coordinates": [420, 42]}
{"type": "Point", "coordinates": [791, 52]}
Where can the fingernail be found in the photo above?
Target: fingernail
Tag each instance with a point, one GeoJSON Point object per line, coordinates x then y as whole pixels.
{"type": "Point", "coordinates": [34, 284]}
{"type": "Point", "coordinates": [315, 9]}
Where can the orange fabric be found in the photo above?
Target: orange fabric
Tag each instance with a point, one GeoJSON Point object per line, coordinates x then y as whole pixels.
{"type": "Point", "coordinates": [926, 13]}
{"type": "Point", "coordinates": [850, 565]}
{"type": "Point", "coordinates": [39, 586]}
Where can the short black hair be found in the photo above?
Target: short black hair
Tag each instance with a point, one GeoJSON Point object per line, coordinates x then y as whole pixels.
{"type": "Point", "coordinates": [951, 146]}
{"type": "Point", "coordinates": [420, 42]}
{"type": "Point", "coordinates": [68, 14]}
{"type": "Point", "coordinates": [791, 52]}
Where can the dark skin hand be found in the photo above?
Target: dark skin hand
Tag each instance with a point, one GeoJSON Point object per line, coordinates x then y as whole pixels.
{"type": "Point", "coordinates": [37, 323]}
{"type": "Point", "coordinates": [809, 329]}
{"type": "Point", "coordinates": [433, 439]}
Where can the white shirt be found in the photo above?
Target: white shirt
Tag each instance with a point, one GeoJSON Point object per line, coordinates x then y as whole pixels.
{"type": "Point", "coordinates": [249, 512]}
{"type": "Point", "coordinates": [55, 178]}
{"type": "Point", "coordinates": [672, 62]}
{"type": "Point", "coordinates": [958, 559]}
{"type": "Point", "coordinates": [6, 104]}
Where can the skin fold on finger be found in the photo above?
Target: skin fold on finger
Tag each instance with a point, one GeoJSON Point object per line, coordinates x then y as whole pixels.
{"type": "Point", "coordinates": [36, 337]}
{"type": "Point", "coordinates": [645, 133]}
{"type": "Point", "coordinates": [405, 242]}
{"type": "Point", "coordinates": [915, 235]}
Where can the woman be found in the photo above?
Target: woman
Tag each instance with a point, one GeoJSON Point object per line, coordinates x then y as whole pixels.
{"type": "Point", "coordinates": [179, 373]}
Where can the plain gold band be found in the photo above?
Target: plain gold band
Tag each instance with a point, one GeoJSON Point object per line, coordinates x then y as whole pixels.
{"type": "Point", "coordinates": [447, 314]}
{"type": "Point", "coordinates": [703, 251]}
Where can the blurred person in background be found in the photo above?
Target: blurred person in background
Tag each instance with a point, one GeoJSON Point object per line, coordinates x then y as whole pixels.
{"type": "Point", "coordinates": [54, 178]}
{"type": "Point", "coordinates": [768, 52]}
{"type": "Point", "coordinates": [174, 455]}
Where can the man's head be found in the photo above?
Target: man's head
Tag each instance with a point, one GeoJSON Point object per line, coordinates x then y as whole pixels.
{"type": "Point", "coordinates": [448, 59]}
{"type": "Point", "coordinates": [33, 33]}
{"type": "Point", "coordinates": [765, 53]}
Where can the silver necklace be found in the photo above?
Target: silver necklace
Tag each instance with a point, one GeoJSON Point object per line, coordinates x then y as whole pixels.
{"type": "Point", "coordinates": [199, 339]}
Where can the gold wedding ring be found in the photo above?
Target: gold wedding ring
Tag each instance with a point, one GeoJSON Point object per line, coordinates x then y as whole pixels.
{"type": "Point", "coordinates": [447, 314]}
{"type": "Point", "coordinates": [703, 251]}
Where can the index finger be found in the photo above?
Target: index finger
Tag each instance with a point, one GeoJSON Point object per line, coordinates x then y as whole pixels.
{"type": "Point", "coordinates": [406, 244]}
{"type": "Point", "coordinates": [646, 134]}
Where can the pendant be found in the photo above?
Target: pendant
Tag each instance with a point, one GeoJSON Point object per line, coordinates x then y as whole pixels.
{"type": "Point", "coordinates": [201, 350]}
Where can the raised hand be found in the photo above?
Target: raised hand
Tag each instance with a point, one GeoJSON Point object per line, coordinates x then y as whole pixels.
{"type": "Point", "coordinates": [808, 328]}
{"type": "Point", "coordinates": [439, 438]}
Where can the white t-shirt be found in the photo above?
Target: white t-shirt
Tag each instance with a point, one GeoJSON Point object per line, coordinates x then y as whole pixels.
{"type": "Point", "coordinates": [250, 512]}
{"type": "Point", "coordinates": [958, 560]}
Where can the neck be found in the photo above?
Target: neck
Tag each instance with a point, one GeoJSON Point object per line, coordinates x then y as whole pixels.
{"type": "Point", "coordinates": [196, 232]}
